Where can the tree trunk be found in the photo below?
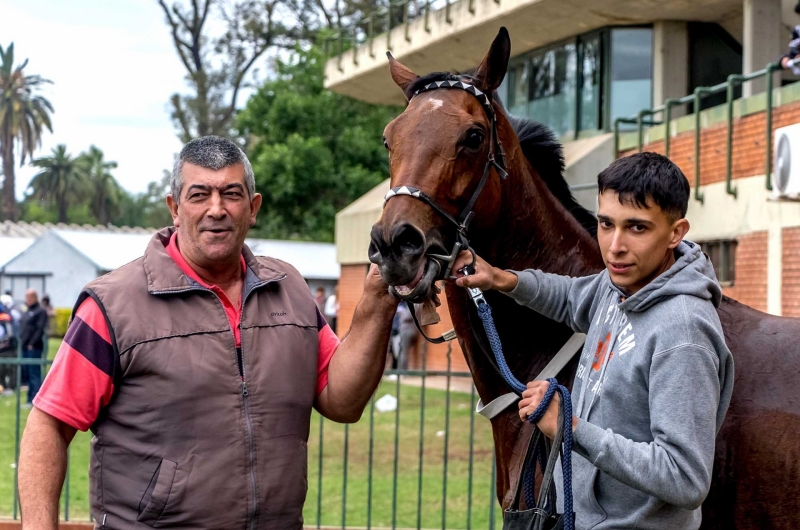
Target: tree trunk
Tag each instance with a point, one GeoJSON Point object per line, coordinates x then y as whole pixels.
{"type": "Point", "coordinates": [62, 209]}
{"type": "Point", "coordinates": [9, 210]}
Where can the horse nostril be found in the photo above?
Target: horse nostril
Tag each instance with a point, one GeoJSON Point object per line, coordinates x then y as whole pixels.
{"type": "Point", "coordinates": [374, 254]}
{"type": "Point", "coordinates": [378, 248]}
{"type": "Point", "coordinates": [408, 241]}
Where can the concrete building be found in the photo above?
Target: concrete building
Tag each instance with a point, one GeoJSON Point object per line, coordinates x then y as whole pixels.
{"type": "Point", "coordinates": [60, 261]}
{"type": "Point", "coordinates": [578, 66]}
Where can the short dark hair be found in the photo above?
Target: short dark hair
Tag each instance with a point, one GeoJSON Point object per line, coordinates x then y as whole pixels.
{"type": "Point", "coordinates": [210, 152]}
{"type": "Point", "coordinates": [797, 8]}
{"type": "Point", "coordinates": [644, 176]}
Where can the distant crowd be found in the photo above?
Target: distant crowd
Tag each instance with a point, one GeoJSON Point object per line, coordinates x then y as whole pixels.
{"type": "Point", "coordinates": [24, 329]}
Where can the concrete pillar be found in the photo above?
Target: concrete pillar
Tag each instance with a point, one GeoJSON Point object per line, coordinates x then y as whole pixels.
{"type": "Point", "coordinates": [774, 269]}
{"type": "Point", "coordinates": [670, 62]}
{"type": "Point", "coordinates": [761, 43]}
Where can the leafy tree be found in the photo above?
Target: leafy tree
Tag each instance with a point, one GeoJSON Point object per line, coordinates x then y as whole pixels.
{"type": "Point", "coordinates": [62, 180]}
{"type": "Point", "coordinates": [313, 151]}
{"type": "Point", "coordinates": [147, 209]}
{"type": "Point", "coordinates": [23, 116]}
{"type": "Point", "coordinates": [219, 63]}
{"type": "Point", "coordinates": [106, 192]}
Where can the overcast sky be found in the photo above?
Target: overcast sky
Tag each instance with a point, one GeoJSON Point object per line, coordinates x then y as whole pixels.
{"type": "Point", "coordinates": [113, 69]}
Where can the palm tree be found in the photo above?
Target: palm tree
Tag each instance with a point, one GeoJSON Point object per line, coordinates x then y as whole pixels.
{"type": "Point", "coordinates": [106, 190]}
{"type": "Point", "coordinates": [62, 179]}
{"type": "Point", "coordinates": [23, 115]}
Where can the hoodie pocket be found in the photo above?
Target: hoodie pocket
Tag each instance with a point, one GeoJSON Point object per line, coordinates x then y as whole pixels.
{"type": "Point", "coordinates": [155, 498]}
{"type": "Point", "coordinates": [588, 512]}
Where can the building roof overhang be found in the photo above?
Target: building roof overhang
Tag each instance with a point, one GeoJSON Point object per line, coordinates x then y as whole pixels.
{"type": "Point", "coordinates": [459, 41]}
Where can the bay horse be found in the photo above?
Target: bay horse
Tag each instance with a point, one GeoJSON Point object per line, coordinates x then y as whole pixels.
{"type": "Point", "coordinates": [438, 149]}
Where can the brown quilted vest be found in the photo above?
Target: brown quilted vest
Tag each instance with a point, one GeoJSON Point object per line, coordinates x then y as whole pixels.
{"type": "Point", "coordinates": [184, 442]}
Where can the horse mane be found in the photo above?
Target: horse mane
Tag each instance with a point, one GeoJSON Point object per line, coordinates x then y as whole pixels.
{"type": "Point", "coordinates": [540, 146]}
{"type": "Point", "coordinates": [545, 153]}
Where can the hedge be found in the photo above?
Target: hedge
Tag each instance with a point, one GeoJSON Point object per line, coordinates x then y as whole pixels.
{"type": "Point", "coordinates": [61, 321]}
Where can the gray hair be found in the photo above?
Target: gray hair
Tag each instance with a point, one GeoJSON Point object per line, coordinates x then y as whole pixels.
{"type": "Point", "coordinates": [210, 152]}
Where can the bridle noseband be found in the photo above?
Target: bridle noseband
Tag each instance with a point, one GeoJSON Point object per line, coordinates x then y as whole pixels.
{"type": "Point", "coordinates": [495, 159]}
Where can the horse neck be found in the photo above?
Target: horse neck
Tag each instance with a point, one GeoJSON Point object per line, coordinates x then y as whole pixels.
{"type": "Point", "coordinates": [536, 230]}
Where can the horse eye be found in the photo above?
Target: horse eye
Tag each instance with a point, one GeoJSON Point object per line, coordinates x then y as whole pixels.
{"type": "Point", "coordinates": [474, 139]}
{"type": "Point", "coordinates": [385, 143]}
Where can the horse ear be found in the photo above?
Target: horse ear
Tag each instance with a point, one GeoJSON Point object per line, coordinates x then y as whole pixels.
{"type": "Point", "coordinates": [401, 75]}
{"type": "Point", "coordinates": [493, 68]}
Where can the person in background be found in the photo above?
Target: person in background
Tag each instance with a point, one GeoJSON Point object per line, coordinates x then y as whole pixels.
{"type": "Point", "coordinates": [409, 336]}
{"type": "Point", "coordinates": [51, 317]}
{"type": "Point", "coordinates": [332, 308]}
{"type": "Point", "coordinates": [319, 299]}
{"type": "Point", "coordinates": [787, 61]}
{"type": "Point", "coordinates": [32, 329]}
{"type": "Point", "coordinates": [13, 309]}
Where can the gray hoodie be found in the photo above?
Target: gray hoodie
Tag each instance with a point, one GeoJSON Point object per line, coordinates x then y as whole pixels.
{"type": "Point", "coordinates": [653, 386]}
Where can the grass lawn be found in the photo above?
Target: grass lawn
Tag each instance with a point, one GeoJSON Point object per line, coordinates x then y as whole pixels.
{"type": "Point", "coordinates": [386, 507]}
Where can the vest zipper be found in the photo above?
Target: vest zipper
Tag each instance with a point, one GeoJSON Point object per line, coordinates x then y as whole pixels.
{"type": "Point", "coordinates": [252, 517]}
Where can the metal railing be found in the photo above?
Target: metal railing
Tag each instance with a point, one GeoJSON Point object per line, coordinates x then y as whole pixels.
{"type": "Point", "coordinates": [641, 120]}
{"type": "Point", "coordinates": [395, 14]}
{"type": "Point", "coordinates": [426, 464]}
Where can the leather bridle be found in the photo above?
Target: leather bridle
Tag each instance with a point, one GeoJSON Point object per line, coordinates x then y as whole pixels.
{"type": "Point", "coordinates": [495, 159]}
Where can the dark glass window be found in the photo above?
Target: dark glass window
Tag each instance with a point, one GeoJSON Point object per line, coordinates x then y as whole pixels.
{"type": "Point", "coordinates": [589, 53]}
{"type": "Point", "coordinates": [713, 55]}
{"type": "Point", "coordinates": [723, 256]}
{"type": "Point", "coordinates": [631, 71]}
{"type": "Point", "coordinates": [518, 87]}
{"type": "Point", "coordinates": [585, 82]}
{"type": "Point", "coordinates": [552, 89]}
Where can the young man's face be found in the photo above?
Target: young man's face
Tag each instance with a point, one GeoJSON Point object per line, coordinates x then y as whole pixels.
{"type": "Point", "coordinates": [636, 243]}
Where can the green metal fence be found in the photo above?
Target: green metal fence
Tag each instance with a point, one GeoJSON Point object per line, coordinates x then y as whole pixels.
{"type": "Point", "coordinates": [644, 119]}
{"type": "Point", "coordinates": [429, 463]}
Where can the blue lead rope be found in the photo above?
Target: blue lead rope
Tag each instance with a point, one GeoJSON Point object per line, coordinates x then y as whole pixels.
{"type": "Point", "coordinates": [485, 313]}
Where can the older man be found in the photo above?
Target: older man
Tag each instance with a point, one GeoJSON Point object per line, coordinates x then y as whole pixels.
{"type": "Point", "coordinates": [196, 368]}
{"type": "Point", "coordinates": [32, 329]}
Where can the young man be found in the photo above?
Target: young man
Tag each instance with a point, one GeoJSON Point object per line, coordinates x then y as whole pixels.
{"type": "Point", "coordinates": [655, 376]}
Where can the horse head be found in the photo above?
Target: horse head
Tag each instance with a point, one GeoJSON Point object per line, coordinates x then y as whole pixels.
{"type": "Point", "coordinates": [446, 162]}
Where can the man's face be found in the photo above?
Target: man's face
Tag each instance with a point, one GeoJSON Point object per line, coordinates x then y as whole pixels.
{"type": "Point", "coordinates": [637, 243]}
{"type": "Point", "coordinates": [31, 297]}
{"type": "Point", "coordinates": [214, 214]}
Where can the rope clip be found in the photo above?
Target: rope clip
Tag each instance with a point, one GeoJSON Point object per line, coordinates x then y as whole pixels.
{"type": "Point", "coordinates": [475, 293]}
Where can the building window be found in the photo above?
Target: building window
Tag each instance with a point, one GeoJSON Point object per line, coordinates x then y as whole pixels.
{"type": "Point", "coordinates": [723, 256]}
{"type": "Point", "coordinates": [552, 89]}
{"type": "Point", "coordinates": [631, 71]}
{"type": "Point", "coordinates": [583, 83]}
{"type": "Point", "coordinates": [590, 78]}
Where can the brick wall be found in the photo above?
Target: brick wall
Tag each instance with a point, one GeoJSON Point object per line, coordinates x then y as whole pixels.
{"type": "Point", "coordinates": [790, 289]}
{"type": "Point", "coordinates": [750, 286]}
{"type": "Point", "coordinates": [437, 353]}
{"type": "Point", "coordinates": [351, 288]}
{"type": "Point", "coordinates": [749, 150]}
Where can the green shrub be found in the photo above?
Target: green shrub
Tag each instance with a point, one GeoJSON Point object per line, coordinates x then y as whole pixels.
{"type": "Point", "coordinates": [61, 321]}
